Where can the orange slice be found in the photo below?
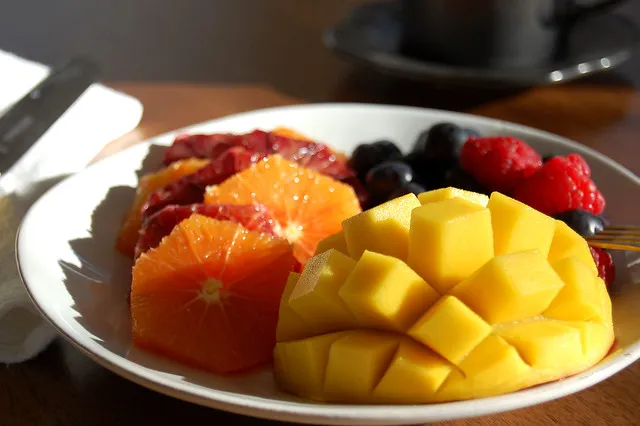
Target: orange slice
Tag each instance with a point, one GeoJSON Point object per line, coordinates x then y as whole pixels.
{"type": "Point", "coordinates": [306, 205]}
{"type": "Point", "coordinates": [128, 235]}
{"type": "Point", "coordinates": [287, 132]}
{"type": "Point", "coordinates": [208, 295]}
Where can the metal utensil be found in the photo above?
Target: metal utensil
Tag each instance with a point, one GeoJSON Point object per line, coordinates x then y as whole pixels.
{"type": "Point", "coordinates": [22, 125]}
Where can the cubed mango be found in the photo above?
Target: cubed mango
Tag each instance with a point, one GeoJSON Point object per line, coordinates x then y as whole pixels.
{"type": "Point", "coordinates": [384, 293]}
{"type": "Point", "coordinates": [545, 345]}
{"type": "Point", "coordinates": [517, 227]}
{"type": "Point", "coordinates": [450, 328]}
{"type": "Point", "coordinates": [335, 241]}
{"type": "Point", "coordinates": [448, 241]}
{"type": "Point", "coordinates": [300, 365]}
{"type": "Point", "coordinates": [579, 299]}
{"type": "Point", "coordinates": [414, 374]}
{"type": "Point", "coordinates": [382, 229]}
{"type": "Point", "coordinates": [315, 297]}
{"type": "Point", "coordinates": [511, 287]}
{"type": "Point", "coordinates": [567, 243]}
{"type": "Point", "coordinates": [356, 363]}
{"type": "Point", "coordinates": [451, 192]}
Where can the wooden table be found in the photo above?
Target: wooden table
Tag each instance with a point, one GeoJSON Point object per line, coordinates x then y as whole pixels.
{"type": "Point", "coordinates": [64, 387]}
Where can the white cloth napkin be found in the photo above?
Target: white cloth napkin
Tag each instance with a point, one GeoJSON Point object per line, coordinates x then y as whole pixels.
{"type": "Point", "coordinates": [97, 117]}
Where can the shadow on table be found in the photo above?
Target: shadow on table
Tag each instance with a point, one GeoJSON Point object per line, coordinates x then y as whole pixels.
{"type": "Point", "coordinates": [364, 85]}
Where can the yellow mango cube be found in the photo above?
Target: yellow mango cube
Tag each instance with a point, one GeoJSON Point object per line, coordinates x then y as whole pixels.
{"type": "Point", "coordinates": [448, 241]}
{"type": "Point", "coordinates": [300, 365]}
{"type": "Point", "coordinates": [450, 328]}
{"type": "Point", "coordinates": [545, 344]}
{"type": "Point", "coordinates": [414, 373]}
{"type": "Point", "coordinates": [568, 243]}
{"type": "Point", "coordinates": [451, 192]}
{"type": "Point", "coordinates": [290, 325]}
{"type": "Point", "coordinates": [511, 287]}
{"type": "Point", "coordinates": [596, 339]}
{"type": "Point", "coordinates": [493, 367]}
{"type": "Point", "coordinates": [335, 241]}
{"type": "Point", "coordinates": [382, 229]}
{"type": "Point", "coordinates": [605, 300]}
{"type": "Point", "coordinates": [356, 363]}
{"type": "Point", "coordinates": [517, 227]}
{"type": "Point", "coordinates": [315, 296]}
{"type": "Point", "coordinates": [579, 299]}
{"type": "Point", "coordinates": [383, 292]}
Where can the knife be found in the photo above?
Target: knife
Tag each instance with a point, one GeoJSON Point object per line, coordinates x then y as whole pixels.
{"type": "Point", "coordinates": [27, 120]}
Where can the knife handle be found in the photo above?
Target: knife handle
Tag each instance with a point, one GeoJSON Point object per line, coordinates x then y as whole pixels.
{"type": "Point", "coordinates": [29, 118]}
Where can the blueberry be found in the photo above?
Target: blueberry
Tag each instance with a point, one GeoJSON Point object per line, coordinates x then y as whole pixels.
{"type": "Point", "coordinates": [442, 142]}
{"type": "Point", "coordinates": [388, 149]}
{"type": "Point", "coordinates": [366, 156]}
{"type": "Point", "coordinates": [419, 167]}
{"type": "Point", "coordinates": [458, 178]}
{"type": "Point", "coordinates": [410, 188]}
{"type": "Point", "coordinates": [581, 221]}
{"type": "Point", "coordinates": [387, 177]}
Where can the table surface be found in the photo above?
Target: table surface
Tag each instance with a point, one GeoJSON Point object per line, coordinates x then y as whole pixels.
{"type": "Point", "coordinates": [64, 387]}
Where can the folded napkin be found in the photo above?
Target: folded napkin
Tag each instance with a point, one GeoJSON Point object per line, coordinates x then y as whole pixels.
{"type": "Point", "coordinates": [97, 117]}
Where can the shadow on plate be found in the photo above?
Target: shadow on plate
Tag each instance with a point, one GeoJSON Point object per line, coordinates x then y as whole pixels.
{"type": "Point", "coordinates": [99, 285]}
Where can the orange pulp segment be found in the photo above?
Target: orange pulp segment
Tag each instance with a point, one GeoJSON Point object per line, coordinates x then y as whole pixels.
{"type": "Point", "coordinates": [149, 183]}
{"type": "Point", "coordinates": [307, 206]}
{"type": "Point", "coordinates": [209, 295]}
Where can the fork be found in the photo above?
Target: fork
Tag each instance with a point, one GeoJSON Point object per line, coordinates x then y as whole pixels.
{"type": "Point", "coordinates": [618, 237]}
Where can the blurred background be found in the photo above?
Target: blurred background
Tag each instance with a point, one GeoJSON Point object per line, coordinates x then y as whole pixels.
{"type": "Point", "coordinates": [276, 42]}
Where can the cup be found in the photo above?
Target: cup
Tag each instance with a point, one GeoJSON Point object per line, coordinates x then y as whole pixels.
{"type": "Point", "coordinates": [495, 33]}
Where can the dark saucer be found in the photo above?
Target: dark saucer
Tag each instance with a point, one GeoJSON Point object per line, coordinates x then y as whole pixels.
{"type": "Point", "coordinates": [372, 35]}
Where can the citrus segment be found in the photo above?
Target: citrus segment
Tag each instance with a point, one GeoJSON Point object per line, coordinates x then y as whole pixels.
{"type": "Point", "coordinates": [128, 235]}
{"type": "Point", "coordinates": [254, 217]}
{"type": "Point", "coordinates": [209, 294]}
{"type": "Point", "coordinates": [305, 205]}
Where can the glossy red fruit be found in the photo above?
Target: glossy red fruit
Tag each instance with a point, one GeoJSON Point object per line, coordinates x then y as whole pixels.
{"type": "Point", "coordinates": [254, 217]}
{"type": "Point", "coordinates": [604, 262]}
{"type": "Point", "coordinates": [212, 145]}
{"type": "Point", "coordinates": [561, 184]}
{"type": "Point", "coordinates": [308, 154]}
{"type": "Point", "coordinates": [190, 189]}
{"type": "Point", "coordinates": [499, 163]}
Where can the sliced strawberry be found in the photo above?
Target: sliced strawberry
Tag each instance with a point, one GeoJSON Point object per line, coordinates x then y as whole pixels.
{"type": "Point", "coordinates": [254, 217]}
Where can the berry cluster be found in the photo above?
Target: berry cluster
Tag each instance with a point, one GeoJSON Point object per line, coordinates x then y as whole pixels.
{"type": "Point", "coordinates": [449, 155]}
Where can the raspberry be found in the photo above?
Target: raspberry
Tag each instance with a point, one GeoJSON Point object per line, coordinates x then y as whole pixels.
{"type": "Point", "coordinates": [561, 184]}
{"type": "Point", "coordinates": [604, 262]}
{"type": "Point", "coordinates": [499, 163]}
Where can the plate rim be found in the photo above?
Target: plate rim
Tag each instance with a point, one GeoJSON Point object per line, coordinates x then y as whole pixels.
{"type": "Point", "coordinates": [415, 69]}
{"type": "Point", "coordinates": [309, 412]}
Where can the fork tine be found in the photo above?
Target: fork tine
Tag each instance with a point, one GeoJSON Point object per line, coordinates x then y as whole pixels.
{"type": "Point", "coordinates": [611, 245]}
{"type": "Point", "coordinates": [618, 237]}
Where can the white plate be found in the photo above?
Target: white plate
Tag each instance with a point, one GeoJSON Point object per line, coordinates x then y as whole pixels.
{"type": "Point", "coordinates": [66, 257]}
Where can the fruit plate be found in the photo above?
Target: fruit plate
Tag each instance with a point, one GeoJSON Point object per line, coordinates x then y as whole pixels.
{"type": "Point", "coordinates": [79, 282]}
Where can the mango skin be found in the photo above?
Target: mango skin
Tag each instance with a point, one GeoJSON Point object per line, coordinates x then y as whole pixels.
{"type": "Point", "coordinates": [375, 330]}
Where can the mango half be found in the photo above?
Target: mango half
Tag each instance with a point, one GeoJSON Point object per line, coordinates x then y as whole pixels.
{"type": "Point", "coordinates": [447, 296]}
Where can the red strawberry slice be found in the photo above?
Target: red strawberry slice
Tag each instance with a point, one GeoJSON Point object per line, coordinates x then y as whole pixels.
{"type": "Point", "coordinates": [254, 217]}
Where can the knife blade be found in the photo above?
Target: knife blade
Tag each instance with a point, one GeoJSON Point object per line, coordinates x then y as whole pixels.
{"type": "Point", "coordinates": [27, 120]}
